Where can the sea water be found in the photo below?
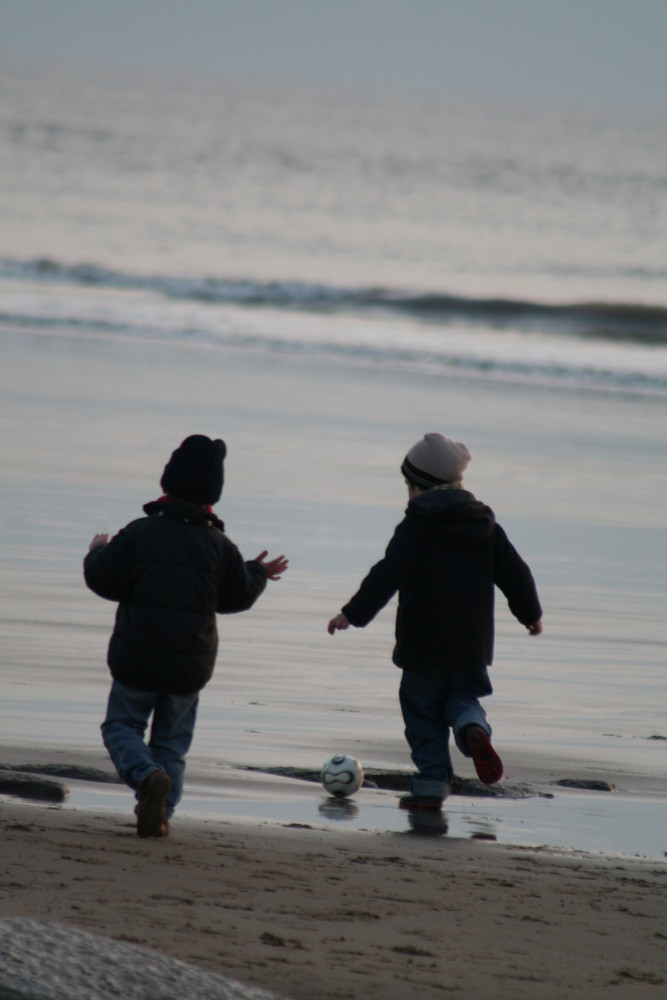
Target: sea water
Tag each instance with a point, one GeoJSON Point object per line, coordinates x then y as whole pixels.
{"type": "Point", "coordinates": [320, 278]}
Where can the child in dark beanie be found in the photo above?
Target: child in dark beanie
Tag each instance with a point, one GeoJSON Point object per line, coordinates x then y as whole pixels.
{"type": "Point", "coordinates": [444, 559]}
{"type": "Point", "coordinates": [170, 573]}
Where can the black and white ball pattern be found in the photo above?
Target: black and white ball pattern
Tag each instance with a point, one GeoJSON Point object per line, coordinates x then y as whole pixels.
{"type": "Point", "coordinates": [342, 775]}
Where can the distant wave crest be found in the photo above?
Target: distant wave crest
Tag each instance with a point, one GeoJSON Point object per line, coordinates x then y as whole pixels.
{"type": "Point", "coordinates": [629, 322]}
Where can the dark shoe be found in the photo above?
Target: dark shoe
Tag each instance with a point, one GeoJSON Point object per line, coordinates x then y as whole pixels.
{"type": "Point", "coordinates": [487, 763]}
{"type": "Point", "coordinates": [151, 806]}
{"type": "Point", "coordinates": [418, 802]}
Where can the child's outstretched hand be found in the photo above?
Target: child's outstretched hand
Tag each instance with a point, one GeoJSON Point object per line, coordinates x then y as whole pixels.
{"type": "Point", "coordinates": [338, 623]}
{"type": "Point", "coordinates": [274, 568]}
{"type": "Point", "coordinates": [98, 541]}
{"type": "Point", "coordinates": [536, 628]}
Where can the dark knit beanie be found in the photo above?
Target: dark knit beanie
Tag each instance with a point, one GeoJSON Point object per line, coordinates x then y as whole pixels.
{"type": "Point", "coordinates": [194, 472]}
{"type": "Point", "coordinates": [434, 460]}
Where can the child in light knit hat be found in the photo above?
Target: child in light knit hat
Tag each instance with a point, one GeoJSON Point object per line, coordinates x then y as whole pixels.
{"type": "Point", "coordinates": [445, 559]}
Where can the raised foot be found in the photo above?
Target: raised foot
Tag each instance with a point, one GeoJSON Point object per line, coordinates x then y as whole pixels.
{"type": "Point", "coordinates": [487, 763]}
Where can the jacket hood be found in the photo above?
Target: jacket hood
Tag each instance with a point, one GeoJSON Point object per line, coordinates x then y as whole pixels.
{"type": "Point", "coordinates": [454, 512]}
{"type": "Point", "coordinates": [181, 510]}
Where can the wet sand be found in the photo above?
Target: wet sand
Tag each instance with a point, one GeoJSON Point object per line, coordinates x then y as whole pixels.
{"type": "Point", "coordinates": [322, 913]}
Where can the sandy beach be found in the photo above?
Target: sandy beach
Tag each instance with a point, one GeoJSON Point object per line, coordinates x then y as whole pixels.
{"type": "Point", "coordinates": [313, 913]}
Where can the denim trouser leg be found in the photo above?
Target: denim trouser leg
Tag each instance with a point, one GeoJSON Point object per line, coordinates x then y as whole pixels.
{"type": "Point", "coordinates": [124, 729]}
{"type": "Point", "coordinates": [465, 710]}
{"type": "Point", "coordinates": [171, 737]}
{"type": "Point", "coordinates": [422, 705]}
{"type": "Point", "coordinates": [429, 710]}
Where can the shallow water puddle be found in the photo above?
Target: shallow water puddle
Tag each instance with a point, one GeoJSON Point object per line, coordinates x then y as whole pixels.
{"type": "Point", "coordinates": [606, 823]}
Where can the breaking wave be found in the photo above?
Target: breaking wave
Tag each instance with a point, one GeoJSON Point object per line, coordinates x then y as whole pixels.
{"type": "Point", "coordinates": [633, 323]}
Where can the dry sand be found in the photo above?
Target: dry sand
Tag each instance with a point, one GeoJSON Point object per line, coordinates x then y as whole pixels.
{"type": "Point", "coordinates": [312, 913]}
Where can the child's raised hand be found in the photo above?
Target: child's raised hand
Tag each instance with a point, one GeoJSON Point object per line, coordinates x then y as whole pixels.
{"type": "Point", "coordinates": [98, 541]}
{"type": "Point", "coordinates": [274, 568]}
{"type": "Point", "coordinates": [338, 623]}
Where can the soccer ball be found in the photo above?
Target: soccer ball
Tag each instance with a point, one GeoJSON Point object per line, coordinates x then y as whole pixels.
{"type": "Point", "coordinates": [342, 775]}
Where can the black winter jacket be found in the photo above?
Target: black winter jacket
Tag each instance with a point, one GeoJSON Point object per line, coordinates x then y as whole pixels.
{"type": "Point", "coordinates": [444, 559]}
{"type": "Point", "coordinates": [170, 572]}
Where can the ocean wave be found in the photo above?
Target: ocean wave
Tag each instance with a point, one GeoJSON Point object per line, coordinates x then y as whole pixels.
{"type": "Point", "coordinates": [635, 323]}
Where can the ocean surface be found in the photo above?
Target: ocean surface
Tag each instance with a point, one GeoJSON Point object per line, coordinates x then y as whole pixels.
{"type": "Point", "coordinates": [320, 277]}
{"type": "Point", "coordinates": [522, 239]}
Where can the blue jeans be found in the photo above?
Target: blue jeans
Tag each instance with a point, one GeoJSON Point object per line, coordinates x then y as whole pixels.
{"type": "Point", "coordinates": [430, 710]}
{"type": "Point", "coordinates": [171, 734]}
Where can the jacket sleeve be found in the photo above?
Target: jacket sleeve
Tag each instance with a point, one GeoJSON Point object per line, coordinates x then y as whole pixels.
{"type": "Point", "coordinates": [515, 579]}
{"type": "Point", "coordinates": [241, 584]}
{"type": "Point", "coordinates": [385, 577]}
{"type": "Point", "coordinates": [107, 569]}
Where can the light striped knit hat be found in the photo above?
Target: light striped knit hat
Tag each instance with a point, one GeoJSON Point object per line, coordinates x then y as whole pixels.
{"type": "Point", "coordinates": [434, 460]}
